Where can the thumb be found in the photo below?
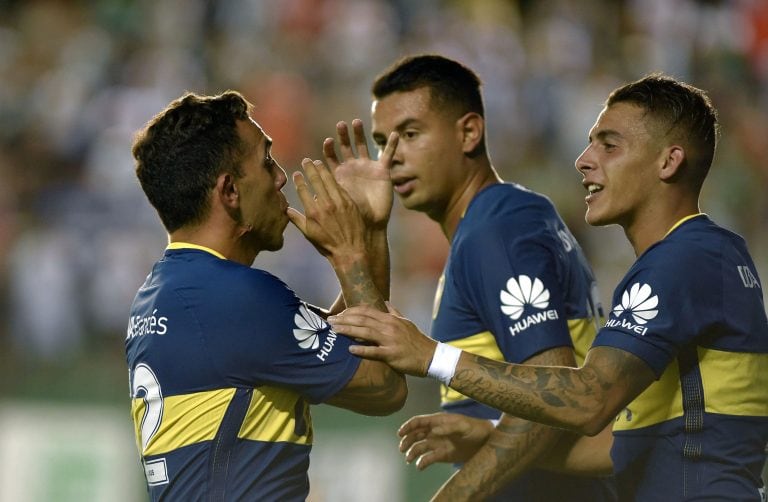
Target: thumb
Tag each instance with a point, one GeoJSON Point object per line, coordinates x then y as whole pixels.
{"type": "Point", "coordinates": [392, 310]}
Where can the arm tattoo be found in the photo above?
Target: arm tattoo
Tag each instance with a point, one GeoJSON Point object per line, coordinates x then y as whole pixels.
{"type": "Point", "coordinates": [512, 448]}
{"type": "Point", "coordinates": [358, 287]}
{"type": "Point", "coordinates": [550, 394]}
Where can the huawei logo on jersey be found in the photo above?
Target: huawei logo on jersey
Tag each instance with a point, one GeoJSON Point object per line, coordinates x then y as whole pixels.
{"type": "Point", "coordinates": [521, 292]}
{"type": "Point", "coordinates": [307, 332]}
{"type": "Point", "coordinates": [307, 325]}
{"type": "Point", "coordinates": [641, 303]}
{"type": "Point", "coordinates": [638, 302]}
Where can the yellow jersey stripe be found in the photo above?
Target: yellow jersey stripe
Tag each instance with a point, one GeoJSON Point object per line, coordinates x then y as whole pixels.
{"type": "Point", "coordinates": [187, 419]}
{"type": "Point", "coordinates": [272, 417]}
{"type": "Point", "coordinates": [734, 384]}
{"type": "Point", "coordinates": [583, 333]}
{"type": "Point", "coordinates": [654, 404]}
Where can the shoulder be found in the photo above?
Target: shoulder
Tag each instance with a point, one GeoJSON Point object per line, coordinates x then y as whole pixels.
{"type": "Point", "coordinates": [695, 249]}
{"type": "Point", "coordinates": [508, 213]}
{"type": "Point", "coordinates": [229, 282]}
{"type": "Point", "coordinates": [507, 199]}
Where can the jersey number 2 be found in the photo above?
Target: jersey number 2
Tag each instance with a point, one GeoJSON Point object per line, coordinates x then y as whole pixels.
{"type": "Point", "coordinates": [146, 386]}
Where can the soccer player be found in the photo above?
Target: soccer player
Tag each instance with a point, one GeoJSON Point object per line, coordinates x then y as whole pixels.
{"type": "Point", "coordinates": [681, 365]}
{"type": "Point", "coordinates": [225, 359]}
{"type": "Point", "coordinates": [516, 286]}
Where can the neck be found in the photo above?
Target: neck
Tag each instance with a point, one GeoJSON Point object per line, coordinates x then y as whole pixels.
{"type": "Point", "coordinates": [222, 240]}
{"type": "Point", "coordinates": [646, 231]}
{"type": "Point", "coordinates": [458, 204]}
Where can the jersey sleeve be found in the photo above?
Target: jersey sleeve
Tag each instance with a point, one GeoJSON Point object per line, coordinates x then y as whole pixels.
{"type": "Point", "coordinates": [665, 301]}
{"type": "Point", "coordinates": [277, 339]}
{"type": "Point", "coordinates": [511, 281]}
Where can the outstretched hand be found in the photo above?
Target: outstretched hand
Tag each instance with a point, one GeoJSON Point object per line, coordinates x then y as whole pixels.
{"type": "Point", "coordinates": [366, 180]}
{"type": "Point", "coordinates": [395, 340]}
{"type": "Point", "coordinates": [442, 437]}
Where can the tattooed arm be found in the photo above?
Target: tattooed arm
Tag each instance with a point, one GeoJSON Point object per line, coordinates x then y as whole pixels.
{"type": "Point", "coordinates": [333, 224]}
{"type": "Point", "coordinates": [366, 181]}
{"type": "Point", "coordinates": [583, 399]}
{"type": "Point", "coordinates": [514, 446]}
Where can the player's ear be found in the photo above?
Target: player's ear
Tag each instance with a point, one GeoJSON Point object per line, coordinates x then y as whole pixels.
{"type": "Point", "coordinates": [672, 163]}
{"type": "Point", "coordinates": [471, 128]}
{"type": "Point", "coordinates": [226, 190]}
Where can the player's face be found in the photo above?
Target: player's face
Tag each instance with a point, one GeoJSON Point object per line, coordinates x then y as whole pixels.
{"type": "Point", "coordinates": [618, 166]}
{"type": "Point", "coordinates": [262, 203]}
{"type": "Point", "coordinates": [427, 171]}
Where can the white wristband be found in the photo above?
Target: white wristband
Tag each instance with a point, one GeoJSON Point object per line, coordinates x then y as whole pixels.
{"type": "Point", "coordinates": [444, 362]}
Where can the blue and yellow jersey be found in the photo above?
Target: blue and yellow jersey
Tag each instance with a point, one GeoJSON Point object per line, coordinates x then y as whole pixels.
{"type": "Point", "coordinates": [692, 308]}
{"type": "Point", "coordinates": [516, 283]}
{"type": "Point", "coordinates": [224, 361]}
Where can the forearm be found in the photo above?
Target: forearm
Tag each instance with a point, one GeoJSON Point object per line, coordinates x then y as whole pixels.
{"type": "Point", "coordinates": [513, 447]}
{"type": "Point", "coordinates": [357, 283]}
{"type": "Point", "coordinates": [570, 398]}
{"type": "Point", "coordinates": [377, 243]}
{"type": "Point", "coordinates": [377, 247]}
{"type": "Point", "coordinates": [375, 390]}
{"type": "Point", "coordinates": [581, 455]}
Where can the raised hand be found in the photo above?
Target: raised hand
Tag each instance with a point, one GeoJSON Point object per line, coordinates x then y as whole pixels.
{"type": "Point", "coordinates": [332, 222]}
{"type": "Point", "coordinates": [366, 180]}
{"type": "Point", "coordinates": [395, 340]}
{"type": "Point", "coordinates": [442, 437]}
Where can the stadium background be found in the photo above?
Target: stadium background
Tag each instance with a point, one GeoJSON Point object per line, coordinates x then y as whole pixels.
{"type": "Point", "coordinates": [77, 78]}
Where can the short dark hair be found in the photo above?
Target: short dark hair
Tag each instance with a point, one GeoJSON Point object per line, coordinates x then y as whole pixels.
{"type": "Point", "coordinates": [183, 149]}
{"type": "Point", "coordinates": [452, 85]}
{"type": "Point", "coordinates": [681, 111]}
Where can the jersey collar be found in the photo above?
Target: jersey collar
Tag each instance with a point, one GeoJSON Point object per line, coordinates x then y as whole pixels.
{"type": "Point", "coordinates": [683, 220]}
{"type": "Point", "coordinates": [188, 245]}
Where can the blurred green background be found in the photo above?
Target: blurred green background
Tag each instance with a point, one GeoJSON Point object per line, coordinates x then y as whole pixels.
{"type": "Point", "coordinates": [77, 238]}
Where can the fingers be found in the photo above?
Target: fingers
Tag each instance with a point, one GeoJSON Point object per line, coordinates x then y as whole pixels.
{"type": "Point", "coordinates": [426, 453]}
{"type": "Point", "coordinates": [329, 153]}
{"type": "Point", "coordinates": [412, 425]}
{"type": "Point", "coordinates": [345, 143]}
{"type": "Point", "coordinates": [324, 184]}
{"type": "Point", "coordinates": [304, 193]}
{"type": "Point", "coordinates": [427, 459]}
{"type": "Point", "coordinates": [360, 322]}
{"type": "Point", "coordinates": [345, 146]}
{"type": "Point", "coordinates": [354, 315]}
{"type": "Point", "coordinates": [389, 149]}
{"type": "Point", "coordinates": [298, 219]}
{"type": "Point", "coordinates": [367, 352]}
{"type": "Point", "coordinates": [438, 424]}
{"type": "Point", "coordinates": [361, 145]}
{"type": "Point", "coordinates": [313, 171]}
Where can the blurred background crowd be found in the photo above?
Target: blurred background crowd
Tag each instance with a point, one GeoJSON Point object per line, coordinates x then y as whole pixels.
{"type": "Point", "coordinates": [78, 78]}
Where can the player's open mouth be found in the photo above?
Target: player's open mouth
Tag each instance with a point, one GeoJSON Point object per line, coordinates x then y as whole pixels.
{"type": "Point", "coordinates": [593, 188]}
